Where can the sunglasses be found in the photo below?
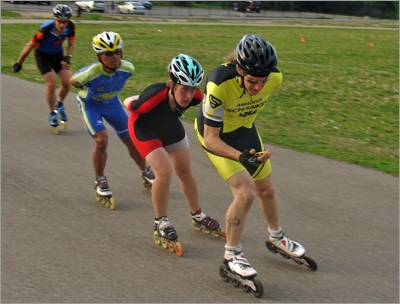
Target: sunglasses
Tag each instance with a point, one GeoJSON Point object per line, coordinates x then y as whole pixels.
{"type": "Point", "coordinates": [62, 21]}
{"type": "Point", "coordinates": [110, 54]}
{"type": "Point", "coordinates": [253, 82]}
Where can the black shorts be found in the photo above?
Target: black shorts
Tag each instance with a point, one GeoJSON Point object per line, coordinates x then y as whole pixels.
{"type": "Point", "coordinates": [47, 62]}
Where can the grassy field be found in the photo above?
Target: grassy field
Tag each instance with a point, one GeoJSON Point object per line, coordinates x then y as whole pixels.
{"type": "Point", "coordinates": [339, 96]}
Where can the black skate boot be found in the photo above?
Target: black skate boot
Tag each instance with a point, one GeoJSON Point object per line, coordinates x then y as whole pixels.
{"type": "Point", "coordinates": [202, 221]}
{"type": "Point", "coordinates": [166, 236]}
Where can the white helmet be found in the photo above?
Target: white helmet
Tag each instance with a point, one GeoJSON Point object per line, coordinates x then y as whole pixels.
{"type": "Point", "coordinates": [186, 70]}
{"type": "Point", "coordinates": [107, 42]}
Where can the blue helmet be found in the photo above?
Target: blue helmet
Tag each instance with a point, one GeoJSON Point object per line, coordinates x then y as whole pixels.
{"type": "Point", "coordinates": [186, 70]}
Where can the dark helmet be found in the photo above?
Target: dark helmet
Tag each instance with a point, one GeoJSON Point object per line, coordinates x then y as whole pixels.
{"type": "Point", "coordinates": [186, 70]}
{"type": "Point", "coordinates": [256, 56]}
{"type": "Point", "coordinates": [62, 11]}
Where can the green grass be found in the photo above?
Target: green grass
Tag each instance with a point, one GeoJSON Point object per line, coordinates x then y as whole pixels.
{"type": "Point", "coordinates": [339, 96]}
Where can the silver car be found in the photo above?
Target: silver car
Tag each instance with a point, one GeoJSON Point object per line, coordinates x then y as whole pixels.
{"type": "Point", "coordinates": [131, 8]}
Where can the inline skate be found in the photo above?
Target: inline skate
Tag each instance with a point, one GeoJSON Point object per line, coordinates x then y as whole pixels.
{"type": "Point", "coordinates": [166, 236]}
{"type": "Point", "coordinates": [53, 121]}
{"type": "Point", "coordinates": [203, 222]}
{"type": "Point", "coordinates": [148, 177]}
{"type": "Point", "coordinates": [290, 250]}
{"type": "Point", "coordinates": [58, 118]}
{"type": "Point", "coordinates": [103, 192]}
{"type": "Point", "coordinates": [239, 272]}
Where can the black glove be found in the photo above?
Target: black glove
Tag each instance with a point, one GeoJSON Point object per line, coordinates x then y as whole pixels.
{"type": "Point", "coordinates": [67, 59]}
{"type": "Point", "coordinates": [17, 67]}
{"type": "Point", "coordinates": [248, 159]}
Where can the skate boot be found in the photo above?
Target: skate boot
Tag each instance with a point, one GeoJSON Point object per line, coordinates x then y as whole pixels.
{"type": "Point", "coordinates": [103, 192]}
{"type": "Point", "coordinates": [202, 221]}
{"type": "Point", "coordinates": [61, 115]}
{"type": "Point", "coordinates": [290, 250]}
{"type": "Point", "coordinates": [148, 177]}
{"type": "Point", "coordinates": [53, 121]}
{"type": "Point", "coordinates": [238, 270]}
{"type": "Point", "coordinates": [166, 236]}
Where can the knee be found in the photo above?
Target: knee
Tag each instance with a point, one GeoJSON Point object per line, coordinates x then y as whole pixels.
{"type": "Point", "coordinates": [51, 85]}
{"type": "Point", "coordinates": [66, 86]}
{"type": "Point", "coordinates": [267, 193]}
{"type": "Point", "coordinates": [164, 175]}
{"type": "Point", "coordinates": [101, 142]}
{"type": "Point", "coordinates": [184, 173]}
{"type": "Point", "coordinates": [247, 197]}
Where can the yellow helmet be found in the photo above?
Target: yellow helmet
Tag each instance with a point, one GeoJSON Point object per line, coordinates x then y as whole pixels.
{"type": "Point", "coordinates": [107, 42]}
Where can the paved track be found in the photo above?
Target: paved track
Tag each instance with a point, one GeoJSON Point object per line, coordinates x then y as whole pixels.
{"type": "Point", "coordinates": [60, 245]}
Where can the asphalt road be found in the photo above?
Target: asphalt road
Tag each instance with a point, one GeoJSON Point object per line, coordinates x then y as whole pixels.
{"type": "Point", "coordinates": [60, 245]}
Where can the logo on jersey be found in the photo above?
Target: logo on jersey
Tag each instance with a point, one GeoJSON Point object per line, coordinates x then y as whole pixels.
{"type": "Point", "coordinates": [214, 101]}
{"type": "Point", "coordinates": [100, 89]}
{"type": "Point", "coordinates": [247, 113]}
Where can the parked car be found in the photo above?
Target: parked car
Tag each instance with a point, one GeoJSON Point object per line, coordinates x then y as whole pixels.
{"type": "Point", "coordinates": [247, 6]}
{"type": "Point", "coordinates": [92, 6]}
{"type": "Point", "coordinates": [131, 8]}
{"type": "Point", "coordinates": [147, 4]}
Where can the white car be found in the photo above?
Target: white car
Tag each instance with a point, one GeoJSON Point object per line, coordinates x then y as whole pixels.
{"type": "Point", "coordinates": [92, 6]}
{"type": "Point", "coordinates": [131, 8]}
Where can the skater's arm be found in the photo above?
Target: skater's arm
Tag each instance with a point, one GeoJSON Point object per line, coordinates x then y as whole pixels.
{"type": "Point", "coordinates": [217, 145]}
{"type": "Point", "coordinates": [74, 83]}
{"type": "Point", "coordinates": [70, 48]}
{"type": "Point", "coordinates": [129, 100]}
{"type": "Point", "coordinates": [24, 53]}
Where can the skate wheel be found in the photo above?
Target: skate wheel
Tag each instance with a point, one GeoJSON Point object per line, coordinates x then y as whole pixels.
{"type": "Point", "coordinates": [98, 197]}
{"type": "Point", "coordinates": [310, 263]}
{"type": "Point", "coordinates": [245, 288]}
{"type": "Point", "coordinates": [164, 244]}
{"type": "Point", "coordinates": [271, 247]}
{"type": "Point", "coordinates": [146, 185]}
{"type": "Point", "coordinates": [157, 238]}
{"type": "Point", "coordinates": [197, 225]}
{"type": "Point", "coordinates": [179, 249]}
{"type": "Point", "coordinates": [207, 231]}
{"type": "Point", "coordinates": [63, 124]}
{"type": "Point", "coordinates": [235, 283]}
{"type": "Point", "coordinates": [223, 233]}
{"type": "Point", "coordinates": [171, 246]}
{"type": "Point", "coordinates": [259, 289]}
{"type": "Point", "coordinates": [216, 234]}
{"type": "Point", "coordinates": [113, 203]}
{"type": "Point", "coordinates": [106, 201]}
{"type": "Point", "coordinates": [55, 130]}
{"type": "Point", "coordinates": [285, 255]}
{"type": "Point", "coordinates": [223, 274]}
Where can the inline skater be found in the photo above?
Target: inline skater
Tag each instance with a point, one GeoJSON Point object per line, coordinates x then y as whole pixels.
{"type": "Point", "coordinates": [234, 95]}
{"type": "Point", "coordinates": [49, 55]}
{"type": "Point", "coordinates": [159, 136]}
{"type": "Point", "coordinates": [100, 83]}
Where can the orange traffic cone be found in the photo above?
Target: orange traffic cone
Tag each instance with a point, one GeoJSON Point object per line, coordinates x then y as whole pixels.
{"type": "Point", "coordinates": [371, 44]}
{"type": "Point", "coordinates": [302, 39]}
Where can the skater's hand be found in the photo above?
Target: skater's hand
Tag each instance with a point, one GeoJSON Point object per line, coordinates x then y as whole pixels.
{"type": "Point", "coordinates": [254, 159]}
{"type": "Point", "coordinates": [16, 67]}
{"type": "Point", "coordinates": [66, 62]}
{"type": "Point", "coordinates": [67, 59]}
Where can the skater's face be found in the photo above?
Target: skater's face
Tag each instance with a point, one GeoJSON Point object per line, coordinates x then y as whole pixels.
{"type": "Point", "coordinates": [253, 84]}
{"type": "Point", "coordinates": [183, 94]}
{"type": "Point", "coordinates": [112, 60]}
{"type": "Point", "coordinates": [61, 24]}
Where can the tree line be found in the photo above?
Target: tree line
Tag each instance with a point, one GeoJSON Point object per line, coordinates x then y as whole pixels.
{"type": "Point", "coordinates": [372, 9]}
